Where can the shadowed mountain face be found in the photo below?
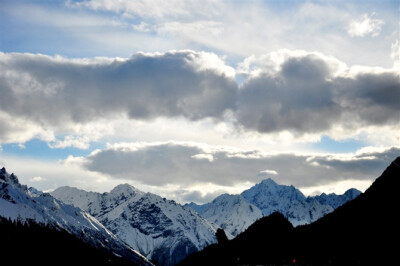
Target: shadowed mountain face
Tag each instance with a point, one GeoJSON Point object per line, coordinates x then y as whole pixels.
{"type": "Point", "coordinates": [364, 231]}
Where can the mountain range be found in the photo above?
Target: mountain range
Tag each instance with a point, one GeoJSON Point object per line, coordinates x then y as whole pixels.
{"type": "Point", "coordinates": [17, 202]}
{"type": "Point", "coordinates": [160, 229]}
{"type": "Point", "coordinates": [363, 231]}
{"type": "Point", "coordinates": [165, 232]}
{"type": "Point", "coordinates": [234, 213]}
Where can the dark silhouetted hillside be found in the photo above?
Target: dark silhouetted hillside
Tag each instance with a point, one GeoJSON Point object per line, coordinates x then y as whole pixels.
{"type": "Point", "coordinates": [364, 231]}
{"type": "Point", "coordinates": [29, 243]}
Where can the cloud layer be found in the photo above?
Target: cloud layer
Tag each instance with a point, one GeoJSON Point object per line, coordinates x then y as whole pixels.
{"type": "Point", "coordinates": [188, 164]}
{"type": "Point", "coordinates": [294, 91]}
{"type": "Point", "coordinates": [53, 92]}
{"type": "Point", "coordinates": [310, 92]}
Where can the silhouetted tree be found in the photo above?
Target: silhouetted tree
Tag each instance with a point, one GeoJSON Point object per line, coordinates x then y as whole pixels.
{"type": "Point", "coordinates": [221, 236]}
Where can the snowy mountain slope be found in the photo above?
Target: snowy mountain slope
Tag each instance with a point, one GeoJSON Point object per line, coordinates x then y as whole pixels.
{"type": "Point", "coordinates": [271, 197]}
{"type": "Point", "coordinates": [17, 202]}
{"type": "Point", "coordinates": [233, 213]}
{"type": "Point", "coordinates": [334, 200]}
{"type": "Point", "coordinates": [161, 229]}
{"type": "Point", "coordinates": [199, 208]}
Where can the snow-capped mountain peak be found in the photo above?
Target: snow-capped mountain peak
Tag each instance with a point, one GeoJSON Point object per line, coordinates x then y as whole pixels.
{"type": "Point", "coordinates": [126, 190]}
{"type": "Point", "coordinates": [265, 198]}
{"type": "Point", "coordinates": [268, 182]}
{"type": "Point", "coordinates": [288, 200]}
{"type": "Point", "coordinates": [270, 197]}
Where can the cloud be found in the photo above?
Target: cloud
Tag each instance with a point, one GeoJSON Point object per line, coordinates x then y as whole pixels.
{"type": "Point", "coordinates": [144, 86]}
{"type": "Point", "coordinates": [155, 9]}
{"type": "Point", "coordinates": [19, 130]}
{"type": "Point", "coordinates": [200, 156]}
{"type": "Point", "coordinates": [285, 91]}
{"type": "Point", "coordinates": [310, 93]}
{"type": "Point", "coordinates": [54, 92]}
{"type": "Point", "coordinates": [37, 179]}
{"type": "Point", "coordinates": [48, 174]}
{"type": "Point", "coordinates": [366, 25]}
{"type": "Point", "coordinates": [197, 196]}
{"type": "Point", "coordinates": [268, 172]}
{"type": "Point", "coordinates": [175, 163]}
{"type": "Point", "coordinates": [395, 54]}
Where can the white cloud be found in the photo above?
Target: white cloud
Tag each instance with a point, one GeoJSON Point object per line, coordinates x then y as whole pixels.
{"type": "Point", "coordinates": [269, 172]}
{"type": "Point", "coordinates": [395, 54]}
{"type": "Point", "coordinates": [224, 27]}
{"type": "Point", "coordinates": [14, 129]}
{"type": "Point", "coordinates": [37, 179]}
{"type": "Point", "coordinates": [366, 25]}
{"type": "Point", "coordinates": [202, 156]}
{"type": "Point", "coordinates": [142, 27]}
{"type": "Point", "coordinates": [48, 175]}
{"type": "Point", "coordinates": [156, 9]}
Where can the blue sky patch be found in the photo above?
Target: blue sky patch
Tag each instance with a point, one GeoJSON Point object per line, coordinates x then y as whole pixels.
{"type": "Point", "coordinates": [40, 149]}
{"type": "Point", "coordinates": [330, 145]}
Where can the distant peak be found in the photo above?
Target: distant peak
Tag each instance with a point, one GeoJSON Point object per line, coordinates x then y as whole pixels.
{"type": "Point", "coordinates": [225, 197]}
{"type": "Point", "coordinates": [268, 181]}
{"type": "Point", "coordinates": [7, 177]}
{"type": "Point", "coordinates": [67, 189]}
{"type": "Point", "coordinates": [352, 191]}
{"type": "Point", "coordinates": [125, 189]}
{"type": "Point", "coordinates": [124, 186]}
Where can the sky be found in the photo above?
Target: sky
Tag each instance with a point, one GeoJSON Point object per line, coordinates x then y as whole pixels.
{"type": "Point", "coordinates": [192, 99]}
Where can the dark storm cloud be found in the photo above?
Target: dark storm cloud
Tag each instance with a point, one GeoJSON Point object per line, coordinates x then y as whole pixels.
{"type": "Point", "coordinates": [178, 163]}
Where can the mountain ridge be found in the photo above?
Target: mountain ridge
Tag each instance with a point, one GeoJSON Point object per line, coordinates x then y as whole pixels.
{"type": "Point", "coordinates": [265, 198]}
{"type": "Point", "coordinates": [161, 229]}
